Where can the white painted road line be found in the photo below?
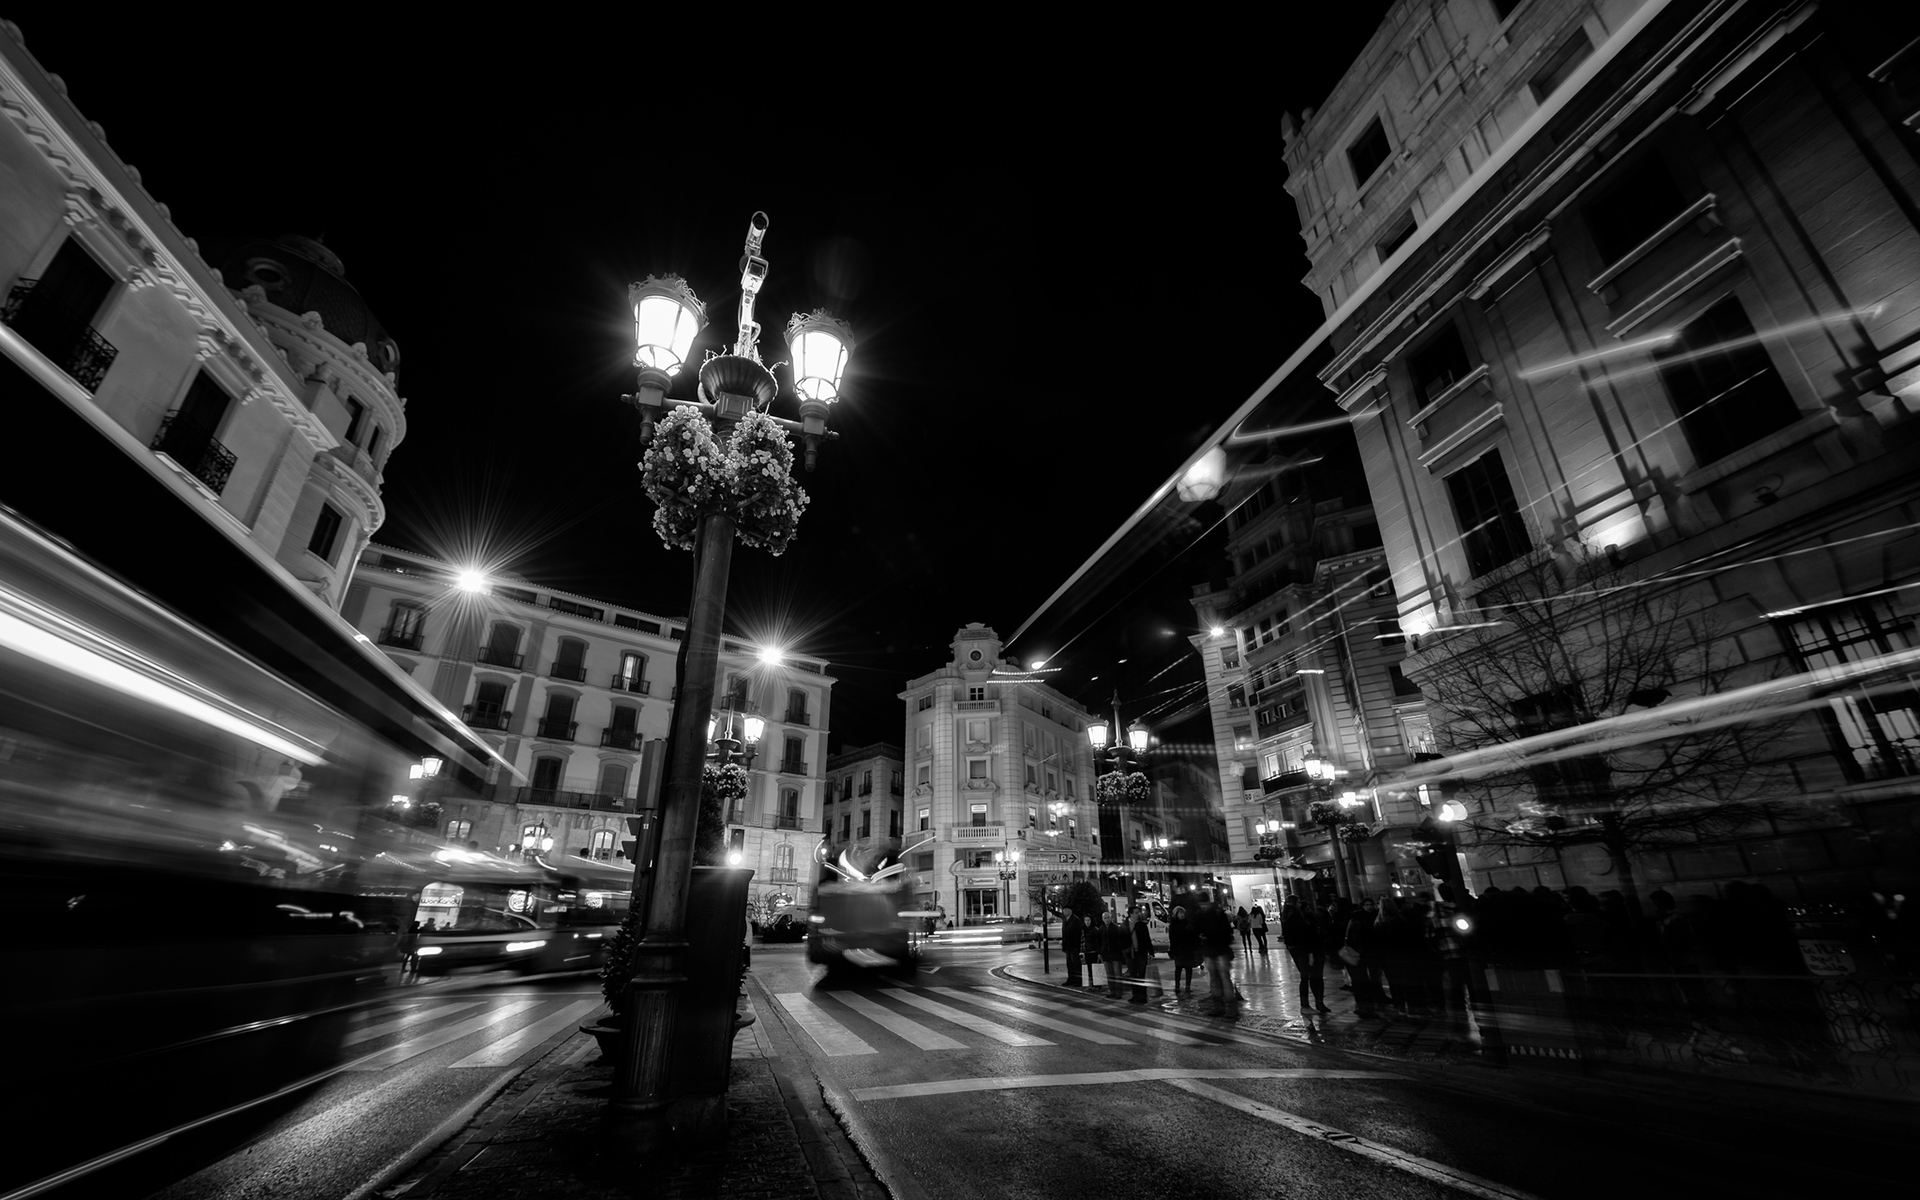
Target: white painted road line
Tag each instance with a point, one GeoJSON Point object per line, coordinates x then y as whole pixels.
{"type": "Point", "coordinates": [440, 1037]}
{"type": "Point", "coordinates": [1400, 1160]}
{"type": "Point", "coordinates": [1165, 1035]}
{"type": "Point", "coordinates": [966, 1020]}
{"type": "Point", "coordinates": [508, 1048]}
{"type": "Point", "coordinates": [412, 1018]}
{"type": "Point", "coordinates": [894, 1023]}
{"type": "Point", "coordinates": [1080, 1031]}
{"type": "Point", "coordinates": [1173, 1075]}
{"type": "Point", "coordinates": [835, 1039]}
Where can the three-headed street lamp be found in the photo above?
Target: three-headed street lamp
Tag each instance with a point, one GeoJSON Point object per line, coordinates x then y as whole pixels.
{"type": "Point", "coordinates": [1118, 788]}
{"type": "Point", "coordinates": [733, 735]}
{"type": "Point", "coordinates": [703, 501]}
{"type": "Point", "coordinates": [1008, 863]}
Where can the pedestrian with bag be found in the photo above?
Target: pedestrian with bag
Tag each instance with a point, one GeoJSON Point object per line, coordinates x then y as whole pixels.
{"type": "Point", "coordinates": [1113, 952]}
{"type": "Point", "coordinates": [1184, 945]}
{"type": "Point", "coordinates": [1072, 931]}
{"type": "Point", "coordinates": [1259, 920]}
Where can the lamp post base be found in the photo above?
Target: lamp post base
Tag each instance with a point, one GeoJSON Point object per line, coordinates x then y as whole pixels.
{"type": "Point", "coordinates": [647, 1132]}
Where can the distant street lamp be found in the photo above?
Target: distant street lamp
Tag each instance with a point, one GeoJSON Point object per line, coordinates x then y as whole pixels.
{"type": "Point", "coordinates": [1008, 862]}
{"type": "Point", "coordinates": [722, 469]}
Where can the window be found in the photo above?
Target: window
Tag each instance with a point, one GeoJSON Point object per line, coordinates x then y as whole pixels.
{"type": "Point", "coordinates": [1070, 794]}
{"type": "Point", "coordinates": [1053, 782]}
{"type": "Point", "coordinates": [1243, 737]}
{"type": "Point", "coordinates": [846, 788]}
{"type": "Point", "coordinates": [624, 733]}
{"type": "Point", "coordinates": [793, 760]}
{"type": "Point", "coordinates": [1368, 152]}
{"type": "Point", "coordinates": [893, 823]}
{"type": "Point", "coordinates": [579, 610]}
{"type": "Point", "coordinates": [326, 530]}
{"type": "Point", "coordinates": [356, 416]}
{"type": "Point", "coordinates": [570, 661]}
{"type": "Point", "coordinates": [1030, 737]}
{"type": "Point", "coordinates": [923, 775]}
{"type": "Point", "coordinates": [846, 827]}
{"type": "Point", "coordinates": [790, 807]}
{"type": "Point", "coordinates": [57, 314]}
{"type": "Point", "coordinates": [926, 702]}
{"type": "Point", "coordinates": [1483, 503]}
{"type": "Point", "coordinates": [926, 818]}
{"type": "Point", "coordinates": [1439, 363]}
{"type": "Point", "coordinates": [1396, 235]}
{"type": "Point", "coordinates": [627, 622]}
{"type": "Point", "coordinates": [1559, 65]}
{"type": "Point", "coordinates": [558, 723]}
{"type": "Point", "coordinates": [613, 780]}
{"type": "Point", "coordinates": [406, 624]}
{"type": "Point", "coordinates": [866, 822]}
{"type": "Point", "coordinates": [503, 646]}
{"type": "Point", "coordinates": [977, 769]}
{"type": "Point", "coordinates": [633, 672]}
{"type": "Point", "coordinates": [896, 782]}
{"type": "Point", "coordinates": [978, 815]}
{"type": "Point", "coordinates": [925, 739]}
{"type": "Point", "coordinates": [546, 774]}
{"type": "Point", "coordinates": [797, 707]}
{"type": "Point", "coordinates": [1236, 695]}
{"type": "Point", "coordinates": [600, 844]}
{"type": "Point", "coordinates": [976, 693]}
{"type": "Point", "coordinates": [1270, 765]}
{"type": "Point", "coordinates": [1723, 383]}
{"type": "Point", "coordinates": [188, 436]}
{"type": "Point", "coordinates": [1502, 9]}
{"type": "Point", "coordinates": [373, 443]}
{"type": "Point", "coordinates": [1402, 686]}
{"type": "Point", "coordinates": [866, 783]}
{"type": "Point", "coordinates": [1033, 775]}
{"type": "Point", "coordinates": [1875, 732]}
{"type": "Point", "coordinates": [1631, 207]}
{"type": "Point", "coordinates": [459, 831]}
{"type": "Point", "coordinates": [1230, 658]}
{"type": "Point", "coordinates": [1033, 816]}
{"type": "Point", "coordinates": [1580, 780]}
{"type": "Point", "coordinates": [783, 857]}
{"type": "Point", "coordinates": [977, 732]}
{"type": "Point", "coordinates": [978, 859]}
{"type": "Point", "coordinates": [489, 701]}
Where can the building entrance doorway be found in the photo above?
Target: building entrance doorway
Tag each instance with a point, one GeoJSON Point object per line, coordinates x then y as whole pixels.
{"type": "Point", "coordinates": [980, 904]}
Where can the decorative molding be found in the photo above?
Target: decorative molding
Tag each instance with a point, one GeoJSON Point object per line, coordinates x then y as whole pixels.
{"type": "Point", "coordinates": [1490, 416]}
{"type": "Point", "coordinates": [345, 479]}
{"type": "Point", "coordinates": [1521, 254]}
{"type": "Point", "coordinates": [1729, 251]}
{"type": "Point", "coordinates": [1365, 387]}
{"type": "Point", "coordinates": [1432, 408]}
{"type": "Point", "coordinates": [1699, 208]}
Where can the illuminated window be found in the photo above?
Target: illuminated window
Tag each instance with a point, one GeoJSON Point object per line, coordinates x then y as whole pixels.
{"type": "Point", "coordinates": [459, 831]}
{"type": "Point", "coordinates": [1875, 733]}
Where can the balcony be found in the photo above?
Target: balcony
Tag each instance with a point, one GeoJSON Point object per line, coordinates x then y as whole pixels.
{"type": "Point", "coordinates": [404, 639]}
{"type": "Point", "coordinates": [783, 875]}
{"type": "Point", "coordinates": [575, 672]}
{"type": "Point", "coordinates": [491, 718]}
{"type": "Point", "coordinates": [559, 731]}
{"type": "Point", "coordinates": [65, 337]}
{"type": "Point", "coordinates": [866, 789]}
{"type": "Point", "coordinates": [736, 815]}
{"type": "Point", "coordinates": [622, 739]}
{"type": "Point", "coordinates": [551, 798]}
{"type": "Point", "coordinates": [639, 687]}
{"type": "Point", "coordinates": [792, 766]}
{"type": "Point", "coordinates": [494, 657]}
{"type": "Point", "coordinates": [787, 821]}
{"type": "Point", "coordinates": [798, 718]}
{"type": "Point", "coordinates": [198, 452]}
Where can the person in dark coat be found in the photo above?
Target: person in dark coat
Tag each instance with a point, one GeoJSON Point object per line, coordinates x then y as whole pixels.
{"type": "Point", "coordinates": [1357, 952]}
{"type": "Point", "coordinates": [1244, 923]}
{"type": "Point", "coordinates": [1306, 945]}
{"type": "Point", "coordinates": [1215, 931]}
{"type": "Point", "coordinates": [1072, 930]}
{"type": "Point", "coordinates": [1113, 952]}
{"type": "Point", "coordinates": [1142, 956]}
{"type": "Point", "coordinates": [1184, 945]}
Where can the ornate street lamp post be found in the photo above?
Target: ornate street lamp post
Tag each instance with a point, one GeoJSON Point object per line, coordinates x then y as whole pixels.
{"type": "Point", "coordinates": [1008, 862]}
{"type": "Point", "coordinates": [1118, 788]}
{"type": "Point", "coordinates": [707, 489]}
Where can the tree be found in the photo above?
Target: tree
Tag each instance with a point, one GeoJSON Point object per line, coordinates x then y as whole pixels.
{"type": "Point", "coordinates": [1081, 896]}
{"type": "Point", "coordinates": [1548, 706]}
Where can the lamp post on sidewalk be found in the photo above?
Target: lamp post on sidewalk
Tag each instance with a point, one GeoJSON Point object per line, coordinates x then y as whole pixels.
{"type": "Point", "coordinates": [1008, 862]}
{"type": "Point", "coordinates": [707, 491]}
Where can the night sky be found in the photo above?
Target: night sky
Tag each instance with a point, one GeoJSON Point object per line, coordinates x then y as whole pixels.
{"type": "Point", "coordinates": [1066, 259]}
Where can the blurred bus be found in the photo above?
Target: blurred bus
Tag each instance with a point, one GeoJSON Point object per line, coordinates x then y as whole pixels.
{"type": "Point", "coordinates": [488, 910]}
{"type": "Point", "coordinates": [863, 914]}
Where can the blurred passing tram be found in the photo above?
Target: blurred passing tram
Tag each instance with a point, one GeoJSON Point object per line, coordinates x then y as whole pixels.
{"type": "Point", "coordinates": [485, 910]}
{"type": "Point", "coordinates": [195, 852]}
{"type": "Point", "coordinates": [863, 915]}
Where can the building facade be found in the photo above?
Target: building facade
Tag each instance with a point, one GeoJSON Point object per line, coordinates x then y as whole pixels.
{"type": "Point", "coordinates": [997, 761]}
{"type": "Point", "coordinates": [1308, 666]}
{"type": "Point", "coordinates": [1642, 280]}
{"type": "Point", "coordinates": [577, 694]}
{"type": "Point", "coordinates": [271, 397]}
{"type": "Point", "coordinates": [865, 797]}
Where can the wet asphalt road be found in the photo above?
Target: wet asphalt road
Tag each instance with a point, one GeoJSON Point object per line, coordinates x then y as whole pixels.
{"type": "Point", "coordinates": [947, 1109]}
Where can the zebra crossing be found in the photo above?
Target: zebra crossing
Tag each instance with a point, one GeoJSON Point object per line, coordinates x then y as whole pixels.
{"type": "Point", "coordinates": [853, 1023]}
{"type": "Point", "coordinates": [514, 1028]}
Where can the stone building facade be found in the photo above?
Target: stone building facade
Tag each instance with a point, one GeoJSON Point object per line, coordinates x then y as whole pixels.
{"type": "Point", "coordinates": [577, 694]}
{"type": "Point", "coordinates": [1642, 279]}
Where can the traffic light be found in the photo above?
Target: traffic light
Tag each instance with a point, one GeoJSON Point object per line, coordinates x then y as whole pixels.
{"type": "Point", "coordinates": [631, 847]}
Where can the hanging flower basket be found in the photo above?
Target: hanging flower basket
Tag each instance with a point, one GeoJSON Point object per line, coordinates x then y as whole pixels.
{"type": "Point", "coordinates": [1118, 789]}
{"type": "Point", "coordinates": [689, 473]}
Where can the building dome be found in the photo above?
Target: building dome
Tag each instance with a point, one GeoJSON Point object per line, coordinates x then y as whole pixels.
{"type": "Point", "coordinates": [301, 275]}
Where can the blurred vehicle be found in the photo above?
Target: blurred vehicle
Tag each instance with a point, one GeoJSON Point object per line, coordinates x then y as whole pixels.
{"type": "Point", "coordinates": [787, 927]}
{"type": "Point", "coordinates": [993, 931]}
{"type": "Point", "coordinates": [485, 910]}
{"type": "Point", "coordinates": [864, 923]}
{"type": "Point", "coordinates": [182, 836]}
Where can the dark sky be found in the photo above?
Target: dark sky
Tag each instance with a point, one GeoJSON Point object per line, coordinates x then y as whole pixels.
{"type": "Point", "coordinates": [1066, 259]}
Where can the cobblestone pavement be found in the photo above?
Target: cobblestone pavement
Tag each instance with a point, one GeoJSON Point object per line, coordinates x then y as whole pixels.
{"type": "Point", "coordinates": [541, 1137]}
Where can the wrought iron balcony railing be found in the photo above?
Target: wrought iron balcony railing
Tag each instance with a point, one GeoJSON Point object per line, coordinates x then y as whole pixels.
{"type": "Point", "coordinates": [797, 717]}
{"type": "Point", "coordinates": [792, 766]}
{"type": "Point", "coordinates": [558, 730]}
{"type": "Point", "coordinates": [577, 672]}
{"type": "Point", "coordinates": [786, 821]}
{"type": "Point", "coordinates": [622, 739]}
{"type": "Point", "coordinates": [194, 447]}
{"type": "Point", "coordinates": [641, 687]}
{"type": "Point", "coordinates": [783, 875]}
{"type": "Point", "coordinates": [64, 336]}
{"type": "Point", "coordinates": [499, 658]}
{"type": "Point", "coordinates": [488, 718]}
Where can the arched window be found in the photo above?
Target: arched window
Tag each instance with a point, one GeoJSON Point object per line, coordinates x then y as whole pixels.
{"type": "Point", "coordinates": [601, 844]}
{"type": "Point", "coordinates": [783, 857]}
{"type": "Point", "coordinates": [789, 809]}
{"type": "Point", "coordinates": [613, 780]}
{"type": "Point", "coordinates": [546, 774]}
{"type": "Point", "coordinates": [503, 646]}
{"type": "Point", "coordinates": [488, 710]}
{"type": "Point", "coordinates": [633, 673]}
{"type": "Point", "coordinates": [570, 660]}
{"type": "Point", "coordinates": [797, 707]}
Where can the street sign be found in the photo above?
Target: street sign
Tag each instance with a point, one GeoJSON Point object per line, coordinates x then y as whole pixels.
{"type": "Point", "coordinates": [1049, 877]}
{"type": "Point", "coordinates": [1050, 856]}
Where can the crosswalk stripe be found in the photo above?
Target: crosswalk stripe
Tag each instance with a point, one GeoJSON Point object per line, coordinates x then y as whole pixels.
{"type": "Point", "coordinates": [830, 1035]}
{"type": "Point", "coordinates": [966, 1020]}
{"type": "Point", "coordinates": [440, 1037]}
{"type": "Point", "coordinates": [1080, 1031]}
{"type": "Point", "coordinates": [1202, 1027]}
{"type": "Point", "coordinates": [508, 1048]}
{"type": "Point", "coordinates": [893, 1022]}
{"type": "Point", "coordinates": [1165, 1035]}
{"type": "Point", "coordinates": [412, 1018]}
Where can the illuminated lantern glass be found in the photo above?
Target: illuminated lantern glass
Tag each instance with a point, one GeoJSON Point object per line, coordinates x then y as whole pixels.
{"type": "Point", "coordinates": [666, 317]}
{"type": "Point", "coordinates": [1205, 478]}
{"type": "Point", "coordinates": [820, 346]}
{"type": "Point", "coordinates": [755, 727]}
{"type": "Point", "coordinates": [1097, 734]}
{"type": "Point", "coordinates": [1137, 738]}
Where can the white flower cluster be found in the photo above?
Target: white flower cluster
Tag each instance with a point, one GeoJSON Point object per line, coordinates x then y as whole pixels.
{"type": "Point", "coordinates": [688, 473]}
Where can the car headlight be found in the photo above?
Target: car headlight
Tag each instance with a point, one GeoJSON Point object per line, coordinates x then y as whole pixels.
{"type": "Point", "coordinates": [426, 950]}
{"type": "Point", "coordinates": [515, 947]}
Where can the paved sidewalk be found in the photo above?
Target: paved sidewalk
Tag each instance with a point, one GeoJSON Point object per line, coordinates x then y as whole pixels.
{"type": "Point", "coordinates": [541, 1137]}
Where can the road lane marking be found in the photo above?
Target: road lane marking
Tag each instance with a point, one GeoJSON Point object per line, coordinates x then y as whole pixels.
{"type": "Point", "coordinates": [966, 1020]}
{"type": "Point", "coordinates": [835, 1039]}
{"type": "Point", "coordinates": [1400, 1160]}
{"type": "Point", "coordinates": [1174, 1075]}
{"type": "Point", "coordinates": [1080, 1031]}
{"type": "Point", "coordinates": [508, 1048]}
{"type": "Point", "coordinates": [440, 1037]}
{"type": "Point", "coordinates": [1165, 1035]}
{"type": "Point", "coordinates": [894, 1023]}
{"type": "Point", "coordinates": [412, 1018]}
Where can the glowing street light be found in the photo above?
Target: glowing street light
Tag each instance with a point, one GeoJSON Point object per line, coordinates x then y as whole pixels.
{"type": "Point", "coordinates": [666, 317]}
{"type": "Point", "coordinates": [773, 656]}
{"type": "Point", "coordinates": [1097, 734]}
{"type": "Point", "coordinates": [1137, 738]}
{"type": "Point", "coordinates": [472, 581]}
{"type": "Point", "coordinates": [820, 345]}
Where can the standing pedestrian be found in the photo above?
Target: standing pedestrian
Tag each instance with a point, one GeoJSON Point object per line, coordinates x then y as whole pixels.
{"type": "Point", "coordinates": [1356, 951]}
{"type": "Point", "coordinates": [1215, 931]}
{"type": "Point", "coordinates": [1184, 945]}
{"type": "Point", "coordinates": [1113, 952]}
{"type": "Point", "coordinates": [1072, 930]}
{"type": "Point", "coordinates": [1244, 924]}
{"type": "Point", "coordinates": [1260, 929]}
{"type": "Point", "coordinates": [1306, 945]}
{"type": "Point", "coordinates": [1142, 957]}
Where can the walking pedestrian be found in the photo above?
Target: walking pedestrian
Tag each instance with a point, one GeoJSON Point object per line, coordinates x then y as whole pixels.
{"type": "Point", "coordinates": [1244, 924]}
{"type": "Point", "coordinates": [1072, 930]}
{"type": "Point", "coordinates": [1113, 952]}
{"type": "Point", "coordinates": [1184, 944]}
{"type": "Point", "coordinates": [1215, 931]}
{"type": "Point", "coordinates": [1356, 952]}
{"type": "Point", "coordinates": [1142, 957]}
{"type": "Point", "coordinates": [1306, 945]}
{"type": "Point", "coordinates": [1260, 929]}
